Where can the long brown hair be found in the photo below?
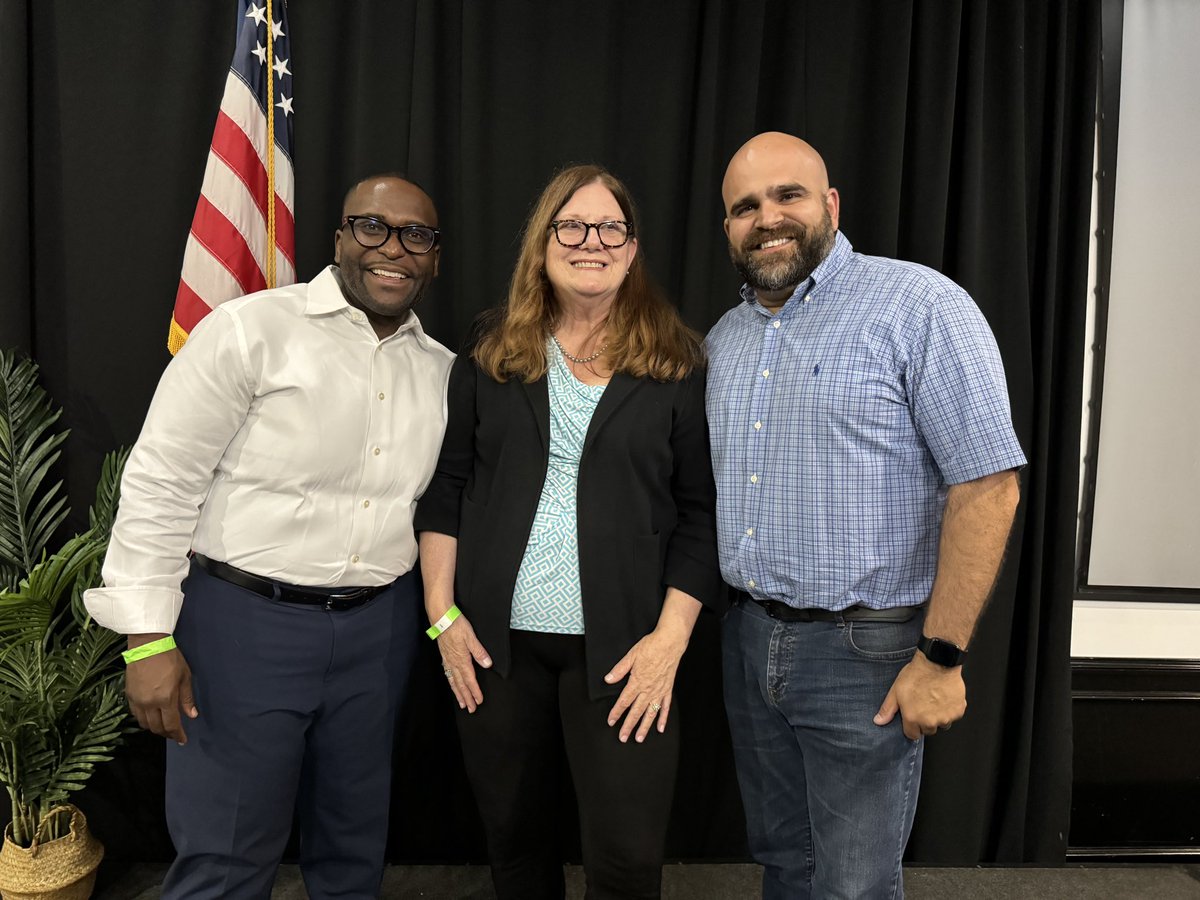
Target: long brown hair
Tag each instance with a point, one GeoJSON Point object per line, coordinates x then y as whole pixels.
{"type": "Point", "coordinates": [646, 336]}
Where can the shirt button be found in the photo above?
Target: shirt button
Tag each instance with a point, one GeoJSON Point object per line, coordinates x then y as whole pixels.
{"type": "Point", "coordinates": [366, 503]}
{"type": "Point", "coordinates": [381, 395]}
{"type": "Point", "coordinates": [376, 451]}
{"type": "Point", "coordinates": [807, 297]}
{"type": "Point", "coordinates": [750, 532]}
{"type": "Point", "coordinates": [754, 479]}
{"type": "Point", "coordinates": [750, 583]}
{"type": "Point", "coordinates": [757, 426]}
{"type": "Point", "coordinates": [775, 324]}
{"type": "Point", "coordinates": [766, 373]}
{"type": "Point", "coordinates": [354, 558]}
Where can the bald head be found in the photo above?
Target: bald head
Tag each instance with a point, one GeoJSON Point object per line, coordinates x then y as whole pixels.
{"type": "Point", "coordinates": [773, 153]}
{"type": "Point", "coordinates": [781, 215]}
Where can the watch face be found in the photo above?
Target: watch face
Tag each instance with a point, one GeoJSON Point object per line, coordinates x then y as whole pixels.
{"type": "Point", "coordinates": [943, 653]}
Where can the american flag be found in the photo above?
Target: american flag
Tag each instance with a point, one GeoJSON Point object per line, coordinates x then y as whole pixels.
{"type": "Point", "coordinates": [239, 241]}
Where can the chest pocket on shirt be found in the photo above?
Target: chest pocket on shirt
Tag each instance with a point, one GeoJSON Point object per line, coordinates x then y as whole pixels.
{"type": "Point", "coordinates": [854, 393]}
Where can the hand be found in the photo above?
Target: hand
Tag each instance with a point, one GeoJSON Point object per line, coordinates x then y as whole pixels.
{"type": "Point", "coordinates": [157, 688]}
{"type": "Point", "coordinates": [460, 651]}
{"type": "Point", "coordinates": [650, 665]}
{"type": "Point", "coordinates": [927, 696]}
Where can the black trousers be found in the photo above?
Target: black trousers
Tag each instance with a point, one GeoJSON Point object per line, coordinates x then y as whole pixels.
{"type": "Point", "coordinates": [512, 749]}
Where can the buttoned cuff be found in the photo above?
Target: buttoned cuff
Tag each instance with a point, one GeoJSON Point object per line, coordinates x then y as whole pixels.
{"type": "Point", "coordinates": [135, 610]}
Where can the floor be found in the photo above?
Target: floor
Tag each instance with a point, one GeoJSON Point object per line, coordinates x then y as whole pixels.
{"type": "Point", "coordinates": [735, 881]}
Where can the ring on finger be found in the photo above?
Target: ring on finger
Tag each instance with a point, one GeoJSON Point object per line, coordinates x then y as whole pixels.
{"type": "Point", "coordinates": [655, 707]}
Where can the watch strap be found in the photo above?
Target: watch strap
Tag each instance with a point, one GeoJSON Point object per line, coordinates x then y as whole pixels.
{"type": "Point", "coordinates": [942, 652]}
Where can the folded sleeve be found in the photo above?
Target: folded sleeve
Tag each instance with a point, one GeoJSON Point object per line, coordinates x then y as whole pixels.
{"type": "Point", "coordinates": [200, 404]}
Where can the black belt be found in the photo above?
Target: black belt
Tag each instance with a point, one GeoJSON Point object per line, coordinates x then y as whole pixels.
{"type": "Point", "coordinates": [785, 613]}
{"type": "Point", "coordinates": [334, 599]}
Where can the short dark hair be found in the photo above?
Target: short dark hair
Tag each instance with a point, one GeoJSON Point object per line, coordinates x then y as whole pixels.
{"type": "Point", "coordinates": [395, 173]}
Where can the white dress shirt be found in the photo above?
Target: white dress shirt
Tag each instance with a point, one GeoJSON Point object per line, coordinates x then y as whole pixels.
{"type": "Point", "coordinates": [285, 439]}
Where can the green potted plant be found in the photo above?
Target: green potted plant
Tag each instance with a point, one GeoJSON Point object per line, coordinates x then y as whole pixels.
{"type": "Point", "coordinates": [62, 704]}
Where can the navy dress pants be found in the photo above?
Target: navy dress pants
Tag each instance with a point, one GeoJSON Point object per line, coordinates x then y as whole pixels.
{"type": "Point", "coordinates": [297, 711]}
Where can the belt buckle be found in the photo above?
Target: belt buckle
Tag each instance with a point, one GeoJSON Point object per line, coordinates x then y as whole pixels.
{"type": "Point", "coordinates": [345, 600]}
{"type": "Point", "coordinates": [333, 602]}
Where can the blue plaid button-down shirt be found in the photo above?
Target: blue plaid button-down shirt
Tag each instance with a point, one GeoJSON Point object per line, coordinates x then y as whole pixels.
{"type": "Point", "coordinates": [838, 423]}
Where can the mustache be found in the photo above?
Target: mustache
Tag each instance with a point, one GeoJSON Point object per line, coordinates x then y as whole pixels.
{"type": "Point", "coordinates": [762, 235]}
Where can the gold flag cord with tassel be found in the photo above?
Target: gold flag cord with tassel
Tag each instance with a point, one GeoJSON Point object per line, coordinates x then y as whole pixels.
{"type": "Point", "coordinates": [270, 273]}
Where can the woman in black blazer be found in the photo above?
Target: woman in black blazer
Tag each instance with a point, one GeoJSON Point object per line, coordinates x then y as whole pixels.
{"type": "Point", "coordinates": [571, 520]}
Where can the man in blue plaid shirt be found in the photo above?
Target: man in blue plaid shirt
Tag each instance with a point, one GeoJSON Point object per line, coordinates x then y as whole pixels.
{"type": "Point", "coordinates": [866, 483]}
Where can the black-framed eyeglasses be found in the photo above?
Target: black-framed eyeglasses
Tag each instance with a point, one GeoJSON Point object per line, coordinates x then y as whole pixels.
{"type": "Point", "coordinates": [573, 233]}
{"type": "Point", "coordinates": [371, 233]}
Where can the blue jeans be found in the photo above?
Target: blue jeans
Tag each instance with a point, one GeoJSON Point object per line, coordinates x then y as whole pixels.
{"type": "Point", "coordinates": [829, 795]}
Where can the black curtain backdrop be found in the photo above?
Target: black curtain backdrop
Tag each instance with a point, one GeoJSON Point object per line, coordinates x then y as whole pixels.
{"type": "Point", "coordinates": [959, 135]}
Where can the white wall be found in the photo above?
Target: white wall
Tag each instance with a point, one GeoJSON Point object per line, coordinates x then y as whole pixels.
{"type": "Point", "coordinates": [1146, 524]}
{"type": "Point", "coordinates": [1146, 528]}
{"type": "Point", "coordinates": [1102, 628]}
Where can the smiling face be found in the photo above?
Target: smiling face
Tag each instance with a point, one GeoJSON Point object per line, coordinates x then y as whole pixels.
{"type": "Point", "coordinates": [780, 214]}
{"type": "Point", "coordinates": [385, 282]}
{"type": "Point", "coordinates": [590, 273]}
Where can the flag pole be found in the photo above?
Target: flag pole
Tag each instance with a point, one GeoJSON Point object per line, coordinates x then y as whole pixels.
{"type": "Point", "coordinates": [270, 273]}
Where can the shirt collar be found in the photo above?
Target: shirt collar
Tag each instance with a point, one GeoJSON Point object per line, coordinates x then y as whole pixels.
{"type": "Point", "coordinates": [832, 262]}
{"type": "Point", "coordinates": [325, 296]}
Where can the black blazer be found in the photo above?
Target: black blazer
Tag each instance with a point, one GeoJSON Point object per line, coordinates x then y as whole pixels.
{"type": "Point", "coordinates": [645, 500]}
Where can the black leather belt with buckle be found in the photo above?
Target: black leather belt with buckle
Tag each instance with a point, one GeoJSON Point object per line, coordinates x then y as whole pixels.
{"type": "Point", "coordinates": [786, 613]}
{"type": "Point", "coordinates": [335, 600]}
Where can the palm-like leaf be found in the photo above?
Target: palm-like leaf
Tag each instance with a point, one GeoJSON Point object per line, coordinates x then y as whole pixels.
{"type": "Point", "coordinates": [108, 493]}
{"type": "Point", "coordinates": [26, 757]}
{"type": "Point", "coordinates": [91, 729]}
{"type": "Point", "coordinates": [62, 709]}
{"type": "Point", "coordinates": [100, 516]}
{"type": "Point", "coordinates": [29, 511]}
{"type": "Point", "coordinates": [20, 680]}
{"type": "Point", "coordinates": [89, 661]}
{"type": "Point", "coordinates": [26, 613]}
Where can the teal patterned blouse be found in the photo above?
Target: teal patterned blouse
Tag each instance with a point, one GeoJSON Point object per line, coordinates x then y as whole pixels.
{"type": "Point", "coordinates": [547, 596]}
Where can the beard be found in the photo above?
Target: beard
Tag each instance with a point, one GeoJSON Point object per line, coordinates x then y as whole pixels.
{"type": "Point", "coordinates": [783, 270]}
{"type": "Point", "coordinates": [351, 276]}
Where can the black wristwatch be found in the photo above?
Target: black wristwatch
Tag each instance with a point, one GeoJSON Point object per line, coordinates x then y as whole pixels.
{"type": "Point", "coordinates": [941, 652]}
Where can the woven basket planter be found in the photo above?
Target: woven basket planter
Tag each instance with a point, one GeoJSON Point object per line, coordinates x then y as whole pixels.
{"type": "Point", "coordinates": [62, 869]}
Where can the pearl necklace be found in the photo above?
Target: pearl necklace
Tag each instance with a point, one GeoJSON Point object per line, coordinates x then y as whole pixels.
{"type": "Point", "coordinates": [576, 359]}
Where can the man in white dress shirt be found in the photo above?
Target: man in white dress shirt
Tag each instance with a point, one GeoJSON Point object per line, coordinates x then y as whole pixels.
{"type": "Point", "coordinates": [286, 446]}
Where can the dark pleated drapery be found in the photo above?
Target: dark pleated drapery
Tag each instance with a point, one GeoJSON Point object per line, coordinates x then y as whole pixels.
{"type": "Point", "coordinates": [959, 135]}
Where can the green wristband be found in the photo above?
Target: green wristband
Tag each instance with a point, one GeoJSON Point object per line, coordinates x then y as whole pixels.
{"type": "Point", "coordinates": [443, 623]}
{"type": "Point", "coordinates": [162, 645]}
